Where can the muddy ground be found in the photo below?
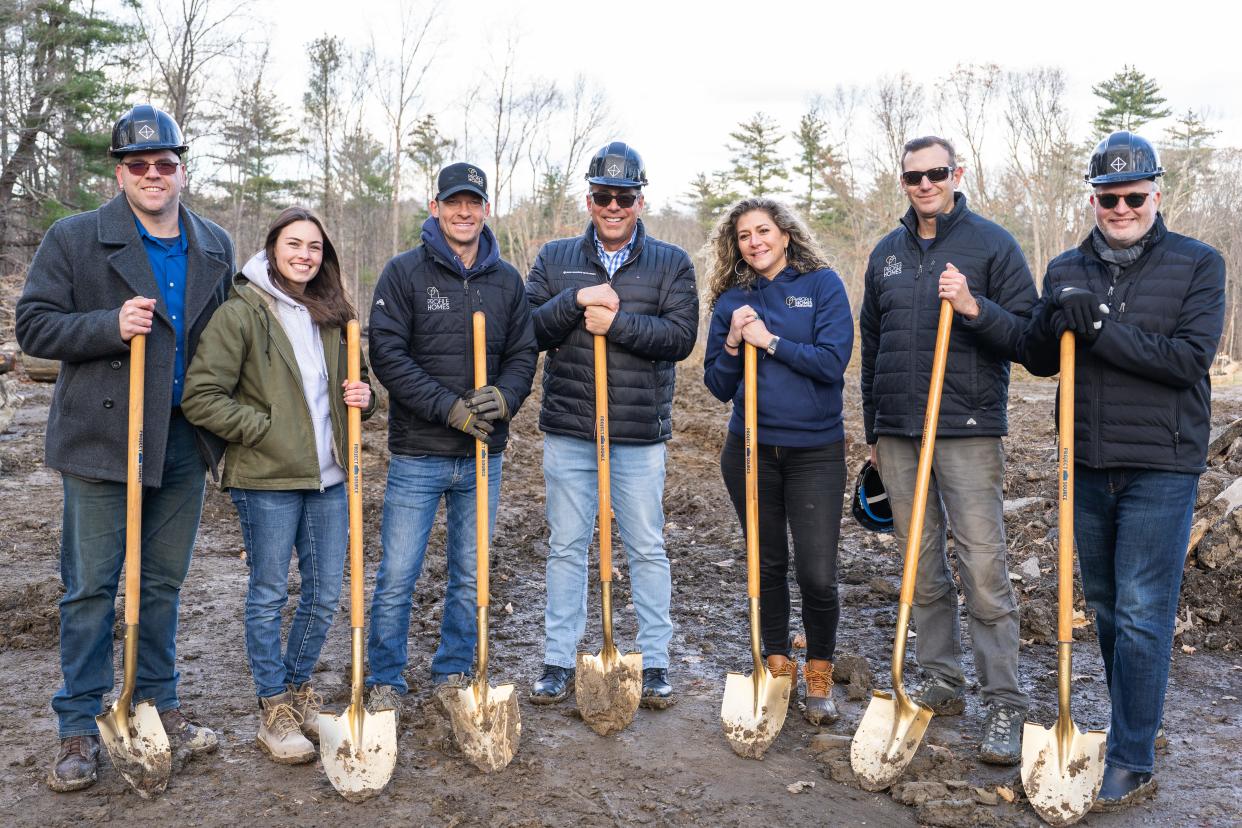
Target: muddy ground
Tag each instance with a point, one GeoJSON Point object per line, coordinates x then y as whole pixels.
{"type": "Point", "coordinates": [670, 767]}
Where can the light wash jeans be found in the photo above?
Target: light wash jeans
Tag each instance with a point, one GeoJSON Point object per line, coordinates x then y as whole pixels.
{"type": "Point", "coordinates": [637, 484]}
{"type": "Point", "coordinates": [412, 497]}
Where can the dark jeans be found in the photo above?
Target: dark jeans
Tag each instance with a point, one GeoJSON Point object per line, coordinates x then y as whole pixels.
{"type": "Point", "coordinates": [1131, 527]}
{"type": "Point", "coordinates": [802, 489]}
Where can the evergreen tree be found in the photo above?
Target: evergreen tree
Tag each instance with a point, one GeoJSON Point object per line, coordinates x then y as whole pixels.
{"type": "Point", "coordinates": [1131, 99]}
{"type": "Point", "coordinates": [756, 164]}
{"type": "Point", "coordinates": [323, 108]}
{"type": "Point", "coordinates": [815, 164]}
{"type": "Point", "coordinates": [429, 150]}
{"type": "Point", "coordinates": [708, 196]}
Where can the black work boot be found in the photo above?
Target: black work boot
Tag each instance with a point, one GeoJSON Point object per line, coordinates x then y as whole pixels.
{"type": "Point", "coordinates": [657, 692]}
{"type": "Point", "coordinates": [1123, 788]}
{"type": "Point", "coordinates": [76, 765]}
{"type": "Point", "coordinates": [1002, 735]}
{"type": "Point", "coordinates": [553, 686]}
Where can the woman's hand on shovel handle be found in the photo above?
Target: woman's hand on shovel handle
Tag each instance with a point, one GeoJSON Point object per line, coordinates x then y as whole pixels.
{"type": "Point", "coordinates": [357, 394]}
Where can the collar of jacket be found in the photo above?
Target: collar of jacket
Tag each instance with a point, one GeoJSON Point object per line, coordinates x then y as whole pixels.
{"type": "Point", "coordinates": [588, 244]}
{"type": "Point", "coordinates": [439, 250]}
{"type": "Point", "coordinates": [1157, 232]}
{"type": "Point", "coordinates": [116, 226]}
{"type": "Point", "coordinates": [944, 222]}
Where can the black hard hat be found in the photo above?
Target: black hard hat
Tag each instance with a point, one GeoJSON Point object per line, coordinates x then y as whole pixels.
{"type": "Point", "coordinates": [145, 128]}
{"type": "Point", "coordinates": [1123, 156]}
{"type": "Point", "coordinates": [871, 507]}
{"type": "Point", "coordinates": [617, 165]}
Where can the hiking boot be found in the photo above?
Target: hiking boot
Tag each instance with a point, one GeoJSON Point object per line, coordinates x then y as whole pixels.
{"type": "Point", "coordinates": [184, 734]}
{"type": "Point", "coordinates": [779, 665]}
{"type": "Point", "coordinates": [449, 679]}
{"type": "Point", "coordinates": [307, 704]}
{"type": "Point", "coordinates": [553, 686]}
{"type": "Point", "coordinates": [385, 697]}
{"type": "Point", "coordinates": [1123, 788]}
{"type": "Point", "coordinates": [819, 707]}
{"type": "Point", "coordinates": [943, 699]}
{"type": "Point", "coordinates": [657, 692]}
{"type": "Point", "coordinates": [76, 765]}
{"type": "Point", "coordinates": [1002, 735]}
{"type": "Point", "coordinates": [280, 731]}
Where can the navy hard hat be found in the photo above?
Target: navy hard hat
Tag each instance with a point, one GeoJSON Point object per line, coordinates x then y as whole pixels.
{"type": "Point", "coordinates": [617, 165]}
{"type": "Point", "coordinates": [871, 507]}
{"type": "Point", "coordinates": [1123, 156]}
{"type": "Point", "coordinates": [145, 128]}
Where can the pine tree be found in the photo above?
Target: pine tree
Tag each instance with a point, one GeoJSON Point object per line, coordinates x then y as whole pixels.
{"type": "Point", "coordinates": [1131, 100]}
{"type": "Point", "coordinates": [708, 196]}
{"type": "Point", "coordinates": [756, 163]}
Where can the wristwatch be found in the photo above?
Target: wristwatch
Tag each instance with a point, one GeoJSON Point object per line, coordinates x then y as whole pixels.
{"type": "Point", "coordinates": [772, 345]}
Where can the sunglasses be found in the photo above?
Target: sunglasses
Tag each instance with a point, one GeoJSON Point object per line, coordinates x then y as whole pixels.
{"type": "Point", "coordinates": [912, 178]}
{"type": "Point", "coordinates": [1108, 201]}
{"type": "Point", "coordinates": [624, 200]}
{"type": "Point", "coordinates": [140, 168]}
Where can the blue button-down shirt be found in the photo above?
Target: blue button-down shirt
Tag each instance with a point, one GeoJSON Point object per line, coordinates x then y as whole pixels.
{"type": "Point", "coordinates": [612, 261]}
{"type": "Point", "coordinates": [168, 265]}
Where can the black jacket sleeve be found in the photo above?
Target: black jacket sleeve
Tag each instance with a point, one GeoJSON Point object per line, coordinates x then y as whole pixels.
{"type": "Point", "coordinates": [554, 314]}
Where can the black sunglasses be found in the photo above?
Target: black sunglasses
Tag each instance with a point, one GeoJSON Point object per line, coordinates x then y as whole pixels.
{"type": "Point", "coordinates": [624, 200]}
{"type": "Point", "coordinates": [934, 175]}
{"type": "Point", "coordinates": [140, 168]}
{"type": "Point", "coordinates": [1133, 200]}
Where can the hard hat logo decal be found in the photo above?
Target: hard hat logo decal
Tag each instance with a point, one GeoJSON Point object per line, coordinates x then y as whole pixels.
{"type": "Point", "coordinates": [1118, 164]}
{"type": "Point", "coordinates": [613, 169]}
{"type": "Point", "coordinates": [146, 133]}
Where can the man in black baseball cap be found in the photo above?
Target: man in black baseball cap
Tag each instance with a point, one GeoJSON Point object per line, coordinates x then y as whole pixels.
{"type": "Point", "coordinates": [420, 328]}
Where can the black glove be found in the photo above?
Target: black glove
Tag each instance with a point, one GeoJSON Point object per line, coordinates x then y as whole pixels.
{"type": "Point", "coordinates": [1082, 312]}
{"type": "Point", "coordinates": [463, 419]}
{"type": "Point", "coordinates": [488, 403]}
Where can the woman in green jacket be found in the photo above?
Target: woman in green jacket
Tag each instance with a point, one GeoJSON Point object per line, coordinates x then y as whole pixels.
{"type": "Point", "coordinates": [269, 377]}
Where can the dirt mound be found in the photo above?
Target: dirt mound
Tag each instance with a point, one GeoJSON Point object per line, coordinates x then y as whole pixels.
{"type": "Point", "coordinates": [29, 616]}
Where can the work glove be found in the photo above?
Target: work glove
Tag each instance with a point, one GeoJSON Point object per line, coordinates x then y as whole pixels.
{"type": "Point", "coordinates": [488, 403]}
{"type": "Point", "coordinates": [1080, 311]}
{"type": "Point", "coordinates": [463, 419]}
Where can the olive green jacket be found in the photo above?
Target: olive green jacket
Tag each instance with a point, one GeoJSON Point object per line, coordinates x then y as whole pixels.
{"type": "Point", "coordinates": [244, 386]}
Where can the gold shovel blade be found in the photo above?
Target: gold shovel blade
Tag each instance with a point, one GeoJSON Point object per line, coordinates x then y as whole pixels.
{"type": "Point", "coordinates": [137, 746]}
{"type": "Point", "coordinates": [887, 738]}
{"type": "Point", "coordinates": [486, 725]}
{"type": "Point", "coordinates": [753, 716]}
{"type": "Point", "coordinates": [359, 765]}
{"type": "Point", "coordinates": [1062, 769]}
{"type": "Point", "coordinates": [608, 688]}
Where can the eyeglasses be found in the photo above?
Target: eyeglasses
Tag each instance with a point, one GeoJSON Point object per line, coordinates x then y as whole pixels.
{"type": "Point", "coordinates": [139, 168]}
{"type": "Point", "coordinates": [912, 178]}
{"type": "Point", "coordinates": [1108, 201]}
{"type": "Point", "coordinates": [624, 200]}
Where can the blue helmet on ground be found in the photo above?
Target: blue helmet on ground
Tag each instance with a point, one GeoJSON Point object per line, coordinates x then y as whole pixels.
{"type": "Point", "coordinates": [145, 128]}
{"type": "Point", "coordinates": [1123, 156]}
{"type": "Point", "coordinates": [617, 165]}
{"type": "Point", "coordinates": [871, 507]}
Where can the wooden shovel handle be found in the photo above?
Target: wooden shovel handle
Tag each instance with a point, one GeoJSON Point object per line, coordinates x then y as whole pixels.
{"type": "Point", "coordinates": [750, 384]}
{"type": "Point", "coordinates": [1065, 502]}
{"type": "Point", "coordinates": [133, 479]}
{"type": "Point", "coordinates": [481, 481]}
{"type": "Point", "coordinates": [354, 418]}
{"type": "Point", "coordinates": [922, 479]}
{"type": "Point", "coordinates": [602, 455]}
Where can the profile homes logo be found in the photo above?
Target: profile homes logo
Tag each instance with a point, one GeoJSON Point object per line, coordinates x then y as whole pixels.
{"type": "Point", "coordinates": [892, 267]}
{"type": "Point", "coordinates": [436, 302]}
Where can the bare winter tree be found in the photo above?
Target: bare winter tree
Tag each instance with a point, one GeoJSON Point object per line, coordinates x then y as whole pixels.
{"type": "Point", "coordinates": [964, 100]}
{"type": "Point", "coordinates": [515, 114]}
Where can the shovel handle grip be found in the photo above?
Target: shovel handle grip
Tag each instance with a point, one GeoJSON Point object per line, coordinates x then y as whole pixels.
{"type": "Point", "coordinates": [354, 417]}
{"type": "Point", "coordinates": [133, 478]}
{"type": "Point", "coordinates": [1065, 489]}
{"type": "Point", "coordinates": [602, 456]}
{"type": "Point", "coordinates": [481, 482]}
{"type": "Point", "coordinates": [750, 384]}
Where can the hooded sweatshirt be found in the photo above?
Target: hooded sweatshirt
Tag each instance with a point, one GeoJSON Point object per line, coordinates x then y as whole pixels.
{"type": "Point", "coordinates": [303, 334]}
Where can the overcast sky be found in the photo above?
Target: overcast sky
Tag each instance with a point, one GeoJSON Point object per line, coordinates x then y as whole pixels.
{"type": "Point", "coordinates": [680, 75]}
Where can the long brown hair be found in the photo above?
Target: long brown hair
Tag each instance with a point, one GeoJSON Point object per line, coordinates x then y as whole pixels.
{"type": "Point", "coordinates": [727, 268]}
{"type": "Point", "coordinates": [324, 296]}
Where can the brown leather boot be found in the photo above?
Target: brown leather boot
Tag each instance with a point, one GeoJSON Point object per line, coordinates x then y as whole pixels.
{"type": "Point", "coordinates": [779, 665]}
{"type": "Point", "coordinates": [819, 708]}
{"type": "Point", "coordinates": [76, 765]}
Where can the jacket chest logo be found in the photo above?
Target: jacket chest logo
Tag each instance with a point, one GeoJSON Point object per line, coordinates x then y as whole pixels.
{"type": "Point", "coordinates": [436, 302]}
{"type": "Point", "coordinates": [892, 267]}
{"type": "Point", "coordinates": [799, 302]}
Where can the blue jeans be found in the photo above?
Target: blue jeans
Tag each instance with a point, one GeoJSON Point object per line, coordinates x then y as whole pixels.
{"type": "Point", "coordinates": [92, 551]}
{"type": "Point", "coordinates": [1131, 527]}
{"type": "Point", "coordinates": [411, 500]}
{"type": "Point", "coordinates": [637, 484]}
{"type": "Point", "coordinates": [272, 524]}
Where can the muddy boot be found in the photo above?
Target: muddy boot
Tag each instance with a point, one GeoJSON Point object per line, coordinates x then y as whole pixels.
{"type": "Point", "coordinates": [1002, 735]}
{"type": "Point", "coordinates": [187, 736]}
{"type": "Point", "coordinates": [1123, 788]}
{"type": "Point", "coordinates": [307, 703]}
{"type": "Point", "coordinates": [553, 686]}
{"type": "Point", "coordinates": [779, 665]}
{"type": "Point", "coordinates": [385, 697]}
{"type": "Point", "coordinates": [657, 692]}
{"type": "Point", "coordinates": [820, 708]}
{"type": "Point", "coordinates": [76, 765]}
{"type": "Point", "coordinates": [943, 699]}
{"type": "Point", "coordinates": [280, 731]}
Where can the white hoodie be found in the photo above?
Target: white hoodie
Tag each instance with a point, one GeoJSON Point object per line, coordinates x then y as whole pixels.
{"type": "Point", "coordinates": [303, 333]}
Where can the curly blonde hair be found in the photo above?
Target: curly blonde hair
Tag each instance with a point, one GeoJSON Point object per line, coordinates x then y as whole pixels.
{"type": "Point", "coordinates": [804, 253]}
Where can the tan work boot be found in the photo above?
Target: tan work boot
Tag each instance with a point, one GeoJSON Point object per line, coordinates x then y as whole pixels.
{"type": "Point", "coordinates": [280, 732]}
{"type": "Point", "coordinates": [779, 665]}
{"type": "Point", "coordinates": [307, 703]}
{"type": "Point", "coordinates": [819, 707]}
